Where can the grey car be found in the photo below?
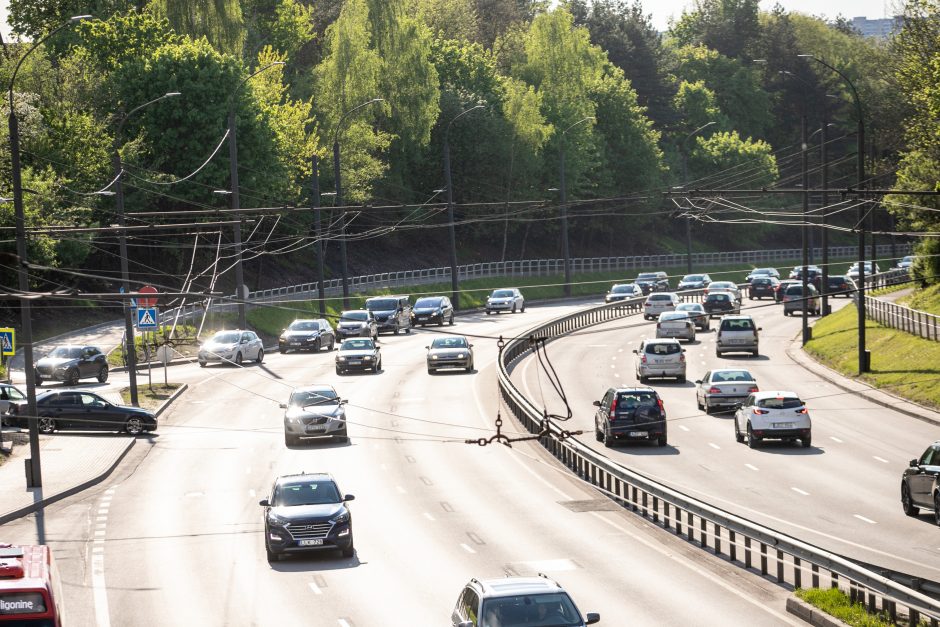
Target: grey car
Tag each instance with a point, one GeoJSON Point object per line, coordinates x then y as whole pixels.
{"type": "Point", "coordinates": [920, 483]}
{"type": "Point", "coordinates": [310, 335]}
{"type": "Point", "coordinates": [793, 300]}
{"type": "Point", "coordinates": [450, 352]}
{"type": "Point", "coordinates": [737, 334]}
{"type": "Point", "coordinates": [356, 323]}
{"type": "Point", "coordinates": [515, 602]}
{"type": "Point", "coordinates": [660, 358]}
{"type": "Point", "coordinates": [505, 299]}
{"type": "Point", "coordinates": [697, 314]}
{"type": "Point", "coordinates": [675, 324]}
{"type": "Point", "coordinates": [358, 354]}
{"type": "Point", "coordinates": [314, 411]}
{"type": "Point", "coordinates": [724, 388]}
{"type": "Point", "coordinates": [71, 363]}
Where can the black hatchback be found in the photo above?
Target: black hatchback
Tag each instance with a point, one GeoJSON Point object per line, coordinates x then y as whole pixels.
{"type": "Point", "coordinates": [630, 414]}
{"type": "Point", "coordinates": [80, 410]}
{"type": "Point", "coordinates": [720, 303]}
{"type": "Point", "coordinates": [762, 286]}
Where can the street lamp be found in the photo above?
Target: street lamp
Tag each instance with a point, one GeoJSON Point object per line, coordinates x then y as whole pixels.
{"type": "Point", "coordinates": [454, 286]}
{"type": "Point", "coordinates": [240, 292]}
{"type": "Point", "coordinates": [130, 350]}
{"type": "Point", "coordinates": [34, 471]}
{"type": "Point", "coordinates": [339, 195]}
{"type": "Point", "coordinates": [685, 178]}
{"type": "Point", "coordinates": [863, 365]}
{"type": "Point", "coordinates": [564, 206]}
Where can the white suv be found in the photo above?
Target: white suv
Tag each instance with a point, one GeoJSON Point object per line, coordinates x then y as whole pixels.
{"type": "Point", "coordinates": [774, 415]}
{"type": "Point", "coordinates": [516, 602]}
{"type": "Point", "coordinates": [659, 302]}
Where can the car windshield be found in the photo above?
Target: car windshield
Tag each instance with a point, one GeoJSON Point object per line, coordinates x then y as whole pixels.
{"type": "Point", "coordinates": [660, 297]}
{"type": "Point", "coordinates": [428, 303]}
{"type": "Point", "coordinates": [381, 304]}
{"type": "Point", "coordinates": [723, 285]}
{"type": "Point", "coordinates": [728, 376]}
{"type": "Point", "coordinates": [357, 345]}
{"type": "Point", "coordinates": [761, 282]}
{"type": "Point", "coordinates": [354, 316]}
{"type": "Point", "coordinates": [449, 342]}
{"type": "Point", "coordinates": [304, 325]}
{"type": "Point", "coordinates": [621, 289]}
{"type": "Point", "coordinates": [761, 271]}
{"type": "Point", "coordinates": [647, 276]}
{"type": "Point", "coordinates": [555, 610]}
{"type": "Point", "coordinates": [719, 296]}
{"type": "Point", "coordinates": [693, 278]}
{"type": "Point", "coordinates": [742, 324]}
{"type": "Point", "coordinates": [226, 338]}
{"type": "Point", "coordinates": [690, 307]}
{"type": "Point", "coordinates": [673, 315]}
{"type": "Point", "coordinates": [66, 352]}
{"type": "Point", "coordinates": [305, 398]}
{"type": "Point", "coordinates": [502, 293]}
{"type": "Point", "coordinates": [306, 493]}
{"type": "Point", "coordinates": [780, 402]}
{"type": "Point", "coordinates": [663, 348]}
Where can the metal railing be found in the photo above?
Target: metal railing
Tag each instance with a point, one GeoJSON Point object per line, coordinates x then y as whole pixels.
{"type": "Point", "coordinates": [919, 323]}
{"type": "Point", "coordinates": [783, 558]}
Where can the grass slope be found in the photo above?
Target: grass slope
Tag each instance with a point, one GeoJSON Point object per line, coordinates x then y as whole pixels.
{"type": "Point", "coordinates": [836, 603]}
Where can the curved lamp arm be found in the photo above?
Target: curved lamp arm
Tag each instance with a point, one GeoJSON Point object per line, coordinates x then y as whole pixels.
{"type": "Point", "coordinates": [71, 20]}
{"type": "Point", "coordinates": [231, 97]}
{"type": "Point", "coordinates": [339, 125]}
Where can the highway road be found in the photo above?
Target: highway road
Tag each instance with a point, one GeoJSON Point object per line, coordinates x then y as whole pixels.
{"type": "Point", "coordinates": [174, 537]}
{"type": "Point", "coordinates": [842, 494]}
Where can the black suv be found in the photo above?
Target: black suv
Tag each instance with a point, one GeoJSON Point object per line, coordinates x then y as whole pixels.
{"type": "Point", "coordinates": [71, 363]}
{"type": "Point", "coordinates": [392, 313]}
{"type": "Point", "coordinates": [433, 310]}
{"type": "Point", "coordinates": [306, 512]}
{"type": "Point", "coordinates": [920, 484]}
{"type": "Point", "coordinates": [653, 282]}
{"type": "Point", "coordinates": [761, 286]}
{"type": "Point", "coordinates": [630, 414]}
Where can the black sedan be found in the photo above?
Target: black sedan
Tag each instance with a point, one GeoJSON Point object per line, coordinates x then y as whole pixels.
{"type": "Point", "coordinates": [920, 483]}
{"type": "Point", "coordinates": [86, 411]}
{"type": "Point", "coordinates": [760, 287]}
{"type": "Point", "coordinates": [433, 310]}
{"type": "Point", "coordinates": [358, 354]}
{"type": "Point", "coordinates": [71, 363]}
{"type": "Point", "coordinates": [307, 335]}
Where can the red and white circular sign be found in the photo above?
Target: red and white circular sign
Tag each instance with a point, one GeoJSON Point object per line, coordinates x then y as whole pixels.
{"type": "Point", "coordinates": [147, 301]}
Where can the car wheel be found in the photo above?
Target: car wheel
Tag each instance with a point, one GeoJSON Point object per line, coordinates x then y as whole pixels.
{"type": "Point", "coordinates": [680, 379]}
{"type": "Point", "coordinates": [441, 322]}
{"type": "Point", "coordinates": [522, 309]}
{"type": "Point", "coordinates": [738, 436]}
{"type": "Point", "coordinates": [470, 367]}
{"type": "Point", "coordinates": [271, 555]}
{"type": "Point", "coordinates": [451, 321]}
{"type": "Point", "coordinates": [807, 441]}
{"type": "Point", "coordinates": [642, 378]}
{"type": "Point", "coordinates": [488, 312]}
{"type": "Point", "coordinates": [607, 439]}
{"type": "Point", "coordinates": [907, 503]}
{"type": "Point", "coordinates": [431, 370]}
{"type": "Point", "coordinates": [936, 508]}
{"type": "Point", "coordinates": [751, 439]}
{"type": "Point", "coordinates": [661, 441]}
{"type": "Point", "coordinates": [754, 354]}
{"type": "Point", "coordinates": [71, 378]}
{"type": "Point", "coordinates": [46, 425]}
{"type": "Point", "coordinates": [134, 426]}
{"type": "Point", "coordinates": [701, 406]}
{"type": "Point", "coordinates": [283, 350]}
{"type": "Point", "coordinates": [290, 440]}
{"type": "Point", "coordinates": [350, 550]}
{"type": "Point", "coordinates": [202, 364]}
{"type": "Point", "coordinates": [238, 359]}
{"type": "Point", "coordinates": [598, 434]}
{"type": "Point", "coordinates": [317, 346]}
{"type": "Point", "coordinates": [343, 436]}
{"type": "Point", "coordinates": [718, 353]}
{"type": "Point", "coordinates": [103, 374]}
{"type": "Point", "coordinates": [260, 355]}
{"type": "Point", "coordinates": [339, 370]}
{"type": "Point", "coordinates": [513, 309]}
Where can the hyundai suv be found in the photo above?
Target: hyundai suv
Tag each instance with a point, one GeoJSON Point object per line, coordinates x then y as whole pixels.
{"type": "Point", "coordinates": [71, 363]}
{"type": "Point", "coordinates": [630, 414]}
{"type": "Point", "coordinates": [517, 602]}
{"type": "Point", "coordinates": [306, 512]}
{"type": "Point", "coordinates": [392, 313]}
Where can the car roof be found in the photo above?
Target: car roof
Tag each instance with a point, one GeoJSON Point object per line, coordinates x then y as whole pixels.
{"type": "Point", "coordinates": [346, 311]}
{"type": "Point", "coordinates": [717, 370]}
{"type": "Point", "coordinates": [737, 317]}
{"type": "Point", "coordinates": [512, 586]}
{"type": "Point", "coordinates": [304, 475]}
{"type": "Point", "coordinates": [314, 387]}
{"type": "Point", "coordinates": [773, 394]}
{"type": "Point", "coordinates": [661, 340]}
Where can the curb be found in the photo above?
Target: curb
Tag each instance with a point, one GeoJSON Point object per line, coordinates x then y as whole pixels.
{"type": "Point", "coordinates": [810, 614]}
{"type": "Point", "coordinates": [44, 502]}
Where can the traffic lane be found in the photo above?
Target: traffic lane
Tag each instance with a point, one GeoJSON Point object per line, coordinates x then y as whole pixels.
{"type": "Point", "coordinates": [723, 471]}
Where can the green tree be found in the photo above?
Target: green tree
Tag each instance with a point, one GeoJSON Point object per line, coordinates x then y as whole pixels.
{"type": "Point", "coordinates": [450, 19]}
{"type": "Point", "coordinates": [219, 21]}
{"type": "Point", "coordinates": [725, 153]}
{"type": "Point", "coordinates": [728, 26]}
{"type": "Point", "coordinates": [697, 105]}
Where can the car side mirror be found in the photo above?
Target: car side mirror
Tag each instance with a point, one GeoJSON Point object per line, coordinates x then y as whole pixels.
{"type": "Point", "coordinates": [760, 328]}
{"type": "Point", "coordinates": [349, 497]}
{"type": "Point", "coordinates": [737, 406]}
{"type": "Point", "coordinates": [470, 345]}
{"type": "Point", "coordinates": [634, 351]}
{"type": "Point", "coordinates": [343, 401]}
{"type": "Point", "coordinates": [592, 617]}
{"type": "Point", "coordinates": [596, 403]}
{"type": "Point", "coordinates": [683, 350]}
{"type": "Point", "coordinates": [699, 381]}
{"type": "Point", "coordinates": [264, 503]}
{"type": "Point", "coordinates": [282, 405]}
{"type": "Point", "coordinates": [914, 463]}
{"type": "Point", "coordinates": [427, 348]}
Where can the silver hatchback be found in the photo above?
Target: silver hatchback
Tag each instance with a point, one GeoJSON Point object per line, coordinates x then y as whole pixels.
{"type": "Point", "coordinates": [676, 324]}
{"type": "Point", "coordinates": [663, 358]}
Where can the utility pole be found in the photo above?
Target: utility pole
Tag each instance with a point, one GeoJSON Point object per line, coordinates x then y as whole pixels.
{"type": "Point", "coordinates": [824, 158]}
{"type": "Point", "coordinates": [318, 228]}
{"type": "Point", "coordinates": [564, 205]}
{"type": "Point", "coordinates": [685, 179]}
{"type": "Point", "coordinates": [804, 229]}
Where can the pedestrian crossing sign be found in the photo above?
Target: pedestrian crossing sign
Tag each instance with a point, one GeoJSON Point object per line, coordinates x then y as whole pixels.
{"type": "Point", "coordinates": [7, 341]}
{"type": "Point", "coordinates": [147, 318]}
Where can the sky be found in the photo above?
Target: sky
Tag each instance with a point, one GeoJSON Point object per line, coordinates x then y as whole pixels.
{"type": "Point", "coordinates": [663, 10]}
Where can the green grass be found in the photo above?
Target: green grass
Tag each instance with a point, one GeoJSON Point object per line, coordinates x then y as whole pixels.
{"type": "Point", "coordinates": [836, 603]}
{"type": "Point", "coordinates": [901, 363]}
{"type": "Point", "coordinates": [150, 396]}
{"type": "Point", "coordinates": [925, 300]}
{"type": "Point", "coordinates": [271, 320]}
{"type": "Point", "coordinates": [182, 339]}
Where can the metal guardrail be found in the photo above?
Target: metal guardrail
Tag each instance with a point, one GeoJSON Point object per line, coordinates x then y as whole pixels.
{"type": "Point", "coordinates": [545, 267]}
{"type": "Point", "coordinates": [913, 321]}
{"type": "Point", "coordinates": [745, 543]}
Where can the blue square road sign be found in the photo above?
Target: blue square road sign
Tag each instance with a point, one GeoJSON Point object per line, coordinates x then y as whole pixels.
{"type": "Point", "coordinates": [147, 318]}
{"type": "Point", "coordinates": [7, 341]}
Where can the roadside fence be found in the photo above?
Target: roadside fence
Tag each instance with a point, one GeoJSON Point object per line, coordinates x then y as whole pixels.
{"type": "Point", "coordinates": [783, 558]}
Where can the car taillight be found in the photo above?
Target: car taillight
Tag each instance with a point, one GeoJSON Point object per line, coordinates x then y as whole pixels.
{"type": "Point", "coordinates": [759, 411]}
{"type": "Point", "coordinates": [714, 390]}
{"type": "Point", "coordinates": [659, 325]}
{"type": "Point", "coordinates": [681, 357]}
{"type": "Point", "coordinates": [802, 410]}
{"type": "Point", "coordinates": [662, 407]}
{"type": "Point", "coordinates": [752, 389]}
{"type": "Point", "coordinates": [613, 409]}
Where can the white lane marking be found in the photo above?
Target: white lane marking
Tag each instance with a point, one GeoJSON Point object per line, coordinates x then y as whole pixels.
{"type": "Point", "coordinates": [248, 470]}
{"type": "Point", "coordinates": [97, 549]}
{"type": "Point", "coordinates": [342, 623]}
{"type": "Point", "coordinates": [101, 518]}
{"type": "Point", "coordinates": [429, 516]}
{"type": "Point", "coordinates": [863, 519]}
{"type": "Point", "coordinates": [799, 491]}
{"type": "Point", "coordinates": [752, 467]}
{"type": "Point", "coordinates": [412, 399]}
{"type": "Point", "coordinates": [401, 490]}
{"type": "Point", "coordinates": [835, 439]}
{"type": "Point", "coordinates": [613, 357]}
{"type": "Point", "coordinates": [98, 584]}
{"type": "Point", "coordinates": [613, 365]}
{"type": "Point", "coordinates": [315, 588]}
{"type": "Point", "coordinates": [880, 459]}
{"type": "Point", "coordinates": [683, 427]}
{"type": "Point", "coordinates": [713, 445]}
{"type": "Point", "coordinates": [467, 548]}
{"type": "Point", "coordinates": [598, 346]}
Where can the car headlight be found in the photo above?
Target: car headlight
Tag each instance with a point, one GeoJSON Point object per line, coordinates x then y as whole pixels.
{"type": "Point", "coordinates": [367, 358]}
{"type": "Point", "coordinates": [283, 337]}
{"type": "Point", "coordinates": [460, 355]}
{"type": "Point", "coordinates": [340, 359]}
{"type": "Point", "coordinates": [434, 356]}
{"type": "Point", "coordinates": [274, 519]}
{"type": "Point", "coordinates": [342, 517]}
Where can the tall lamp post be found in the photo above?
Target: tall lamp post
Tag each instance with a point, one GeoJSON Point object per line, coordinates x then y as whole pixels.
{"type": "Point", "coordinates": [454, 285]}
{"type": "Point", "coordinates": [863, 362]}
{"type": "Point", "coordinates": [685, 178]}
{"type": "Point", "coordinates": [33, 465]}
{"type": "Point", "coordinates": [564, 205]}
{"type": "Point", "coordinates": [130, 350]}
{"type": "Point", "coordinates": [339, 196]}
{"type": "Point", "coordinates": [240, 291]}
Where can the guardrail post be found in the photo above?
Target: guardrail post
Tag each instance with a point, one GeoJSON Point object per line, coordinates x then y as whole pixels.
{"type": "Point", "coordinates": [797, 573]}
{"type": "Point", "coordinates": [703, 529]}
{"type": "Point", "coordinates": [732, 546]}
{"type": "Point", "coordinates": [655, 509]}
{"type": "Point", "coordinates": [747, 551]}
{"type": "Point", "coordinates": [763, 558]}
{"type": "Point", "coordinates": [913, 617]}
{"type": "Point", "coordinates": [815, 576]}
{"type": "Point", "coordinates": [645, 511]}
{"type": "Point", "coordinates": [779, 565]}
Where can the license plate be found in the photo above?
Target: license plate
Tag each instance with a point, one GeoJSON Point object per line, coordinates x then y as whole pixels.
{"type": "Point", "coordinates": [315, 428]}
{"type": "Point", "coordinates": [317, 542]}
{"type": "Point", "coordinates": [737, 341]}
{"type": "Point", "coordinates": [784, 425]}
{"type": "Point", "coordinates": [639, 434]}
{"type": "Point", "coordinates": [295, 343]}
{"type": "Point", "coordinates": [354, 362]}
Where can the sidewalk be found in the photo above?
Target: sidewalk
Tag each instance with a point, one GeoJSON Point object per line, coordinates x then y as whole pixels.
{"type": "Point", "coordinates": [71, 462]}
